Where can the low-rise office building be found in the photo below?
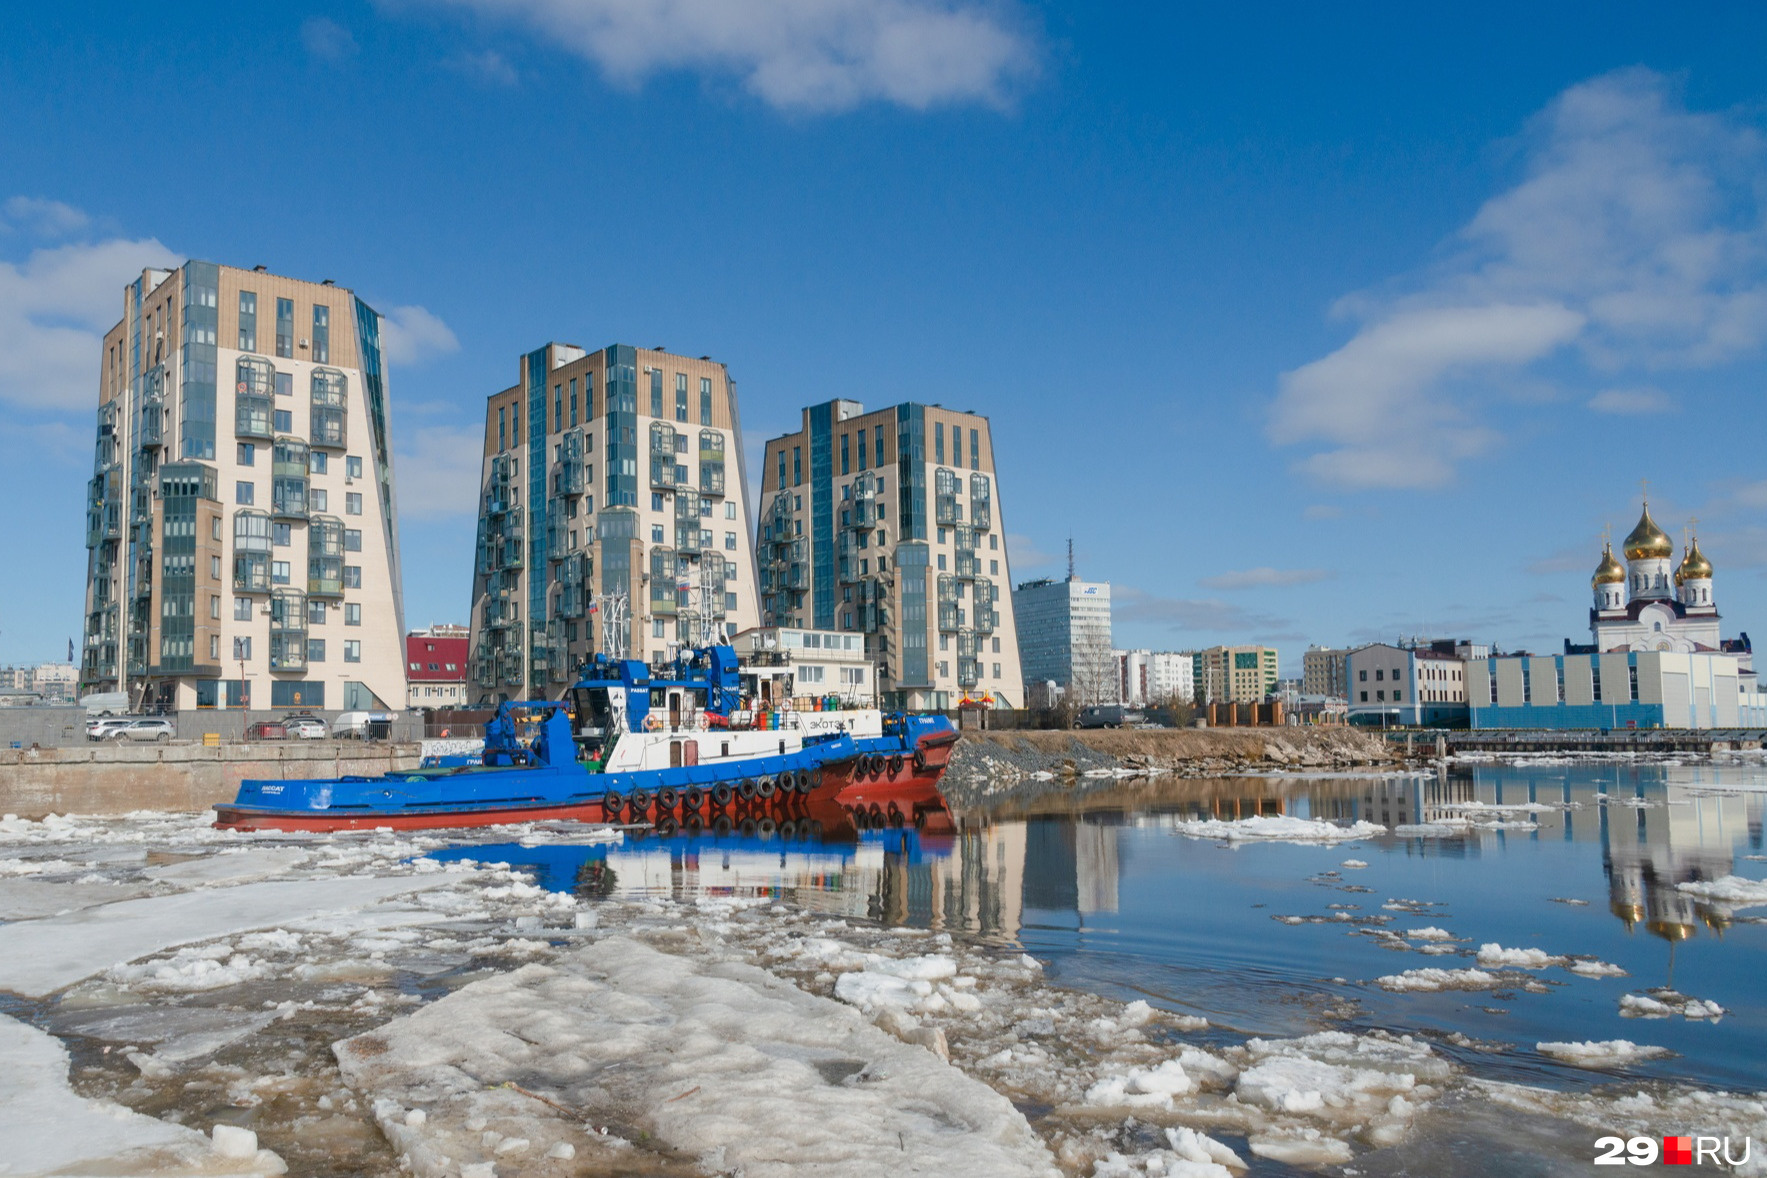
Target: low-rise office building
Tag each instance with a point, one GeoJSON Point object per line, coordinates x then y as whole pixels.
{"type": "Point", "coordinates": [1153, 677]}
{"type": "Point", "coordinates": [435, 664]}
{"type": "Point", "coordinates": [1325, 671]}
{"type": "Point", "coordinates": [1420, 683]}
{"type": "Point", "coordinates": [1621, 689]}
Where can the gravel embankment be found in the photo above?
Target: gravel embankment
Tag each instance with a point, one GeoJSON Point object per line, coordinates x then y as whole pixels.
{"type": "Point", "coordinates": [994, 765]}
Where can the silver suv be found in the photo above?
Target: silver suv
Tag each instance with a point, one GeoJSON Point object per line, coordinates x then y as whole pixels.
{"type": "Point", "coordinates": [151, 728]}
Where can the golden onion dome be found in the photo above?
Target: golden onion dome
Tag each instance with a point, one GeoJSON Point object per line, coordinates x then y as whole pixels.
{"type": "Point", "coordinates": [1609, 571]}
{"type": "Point", "coordinates": [1647, 541]}
{"type": "Point", "coordinates": [1694, 566]}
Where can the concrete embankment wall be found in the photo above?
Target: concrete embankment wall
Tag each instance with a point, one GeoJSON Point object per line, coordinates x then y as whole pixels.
{"type": "Point", "coordinates": [115, 779]}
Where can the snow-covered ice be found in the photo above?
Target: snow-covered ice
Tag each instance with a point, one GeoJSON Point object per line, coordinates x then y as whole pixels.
{"type": "Point", "coordinates": [46, 1129]}
{"type": "Point", "coordinates": [1732, 891]}
{"type": "Point", "coordinates": [1283, 828]}
{"type": "Point", "coordinates": [41, 956]}
{"type": "Point", "coordinates": [1607, 1053]}
{"type": "Point", "coordinates": [717, 1060]}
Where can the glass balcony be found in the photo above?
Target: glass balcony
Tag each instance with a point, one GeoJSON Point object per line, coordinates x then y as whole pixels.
{"type": "Point", "coordinates": [947, 588]}
{"type": "Point", "coordinates": [945, 510]}
{"type": "Point", "coordinates": [254, 397]}
{"type": "Point", "coordinates": [969, 673]}
{"type": "Point", "coordinates": [288, 630]}
{"type": "Point", "coordinates": [688, 537]}
{"type": "Point", "coordinates": [967, 565]}
{"type": "Point", "coordinates": [711, 478]}
{"type": "Point", "coordinates": [330, 400]}
{"type": "Point", "coordinates": [152, 422]}
{"type": "Point", "coordinates": [981, 501]}
{"type": "Point", "coordinates": [325, 557]}
{"type": "Point", "coordinates": [950, 618]}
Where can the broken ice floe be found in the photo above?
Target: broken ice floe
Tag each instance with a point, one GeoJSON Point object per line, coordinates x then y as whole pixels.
{"type": "Point", "coordinates": [1281, 828]}
{"type": "Point", "coordinates": [1608, 1053]}
{"type": "Point", "coordinates": [1666, 1003]}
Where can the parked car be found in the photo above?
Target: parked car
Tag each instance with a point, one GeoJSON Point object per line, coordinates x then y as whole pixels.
{"type": "Point", "coordinates": [151, 728]}
{"type": "Point", "coordinates": [304, 726]}
{"type": "Point", "coordinates": [1107, 716]}
{"type": "Point", "coordinates": [266, 730]}
{"type": "Point", "coordinates": [99, 727]}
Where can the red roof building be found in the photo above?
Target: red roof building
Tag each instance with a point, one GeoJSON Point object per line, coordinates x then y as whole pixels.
{"type": "Point", "coordinates": [435, 665]}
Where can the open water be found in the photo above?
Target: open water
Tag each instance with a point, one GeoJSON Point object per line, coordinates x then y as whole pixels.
{"type": "Point", "coordinates": [1280, 938]}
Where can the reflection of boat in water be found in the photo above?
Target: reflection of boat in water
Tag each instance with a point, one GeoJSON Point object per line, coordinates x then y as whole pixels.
{"type": "Point", "coordinates": [965, 880]}
{"type": "Point", "coordinates": [672, 750]}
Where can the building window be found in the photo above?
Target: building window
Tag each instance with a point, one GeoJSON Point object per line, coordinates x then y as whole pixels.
{"type": "Point", "coordinates": [353, 650]}
{"type": "Point", "coordinates": [1364, 697]}
{"type": "Point", "coordinates": [352, 539]}
{"type": "Point", "coordinates": [1380, 697]}
{"type": "Point", "coordinates": [352, 467]}
{"type": "Point", "coordinates": [862, 446]}
{"type": "Point", "coordinates": [939, 450]}
{"type": "Point", "coordinates": [215, 605]}
{"type": "Point", "coordinates": [279, 572]}
{"type": "Point", "coordinates": [656, 533]}
{"type": "Point", "coordinates": [318, 462]}
{"type": "Point", "coordinates": [284, 421]}
{"type": "Point", "coordinates": [248, 321]}
{"type": "Point", "coordinates": [730, 509]}
{"type": "Point", "coordinates": [656, 500]}
{"type": "Point", "coordinates": [315, 650]}
{"type": "Point", "coordinates": [680, 396]}
{"type": "Point", "coordinates": [656, 391]}
{"type": "Point", "coordinates": [352, 576]}
{"type": "Point", "coordinates": [318, 498]}
{"type": "Point", "coordinates": [245, 494]}
{"type": "Point", "coordinates": [1398, 696]}
{"type": "Point", "coordinates": [797, 466]}
{"type": "Point", "coordinates": [281, 535]}
{"type": "Point", "coordinates": [846, 443]}
{"type": "Point", "coordinates": [502, 430]}
{"type": "Point", "coordinates": [352, 503]}
{"type": "Point", "coordinates": [316, 613]}
{"type": "Point", "coordinates": [215, 570]}
{"type": "Point", "coordinates": [285, 384]}
{"type": "Point", "coordinates": [656, 627]}
{"type": "Point", "coordinates": [285, 328]}
{"type": "Point", "coordinates": [242, 609]}
{"type": "Point", "coordinates": [730, 541]}
{"type": "Point", "coordinates": [705, 400]}
{"type": "Point", "coordinates": [352, 613]}
{"type": "Point", "coordinates": [248, 454]}
{"type": "Point", "coordinates": [321, 334]}
{"type": "Point", "coordinates": [557, 406]}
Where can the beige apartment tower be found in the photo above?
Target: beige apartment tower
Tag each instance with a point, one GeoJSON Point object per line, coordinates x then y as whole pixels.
{"type": "Point", "coordinates": [613, 517]}
{"type": "Point", "coordinates": [887, 523]}
{"type": "Point", "coordinates": [241, 527]}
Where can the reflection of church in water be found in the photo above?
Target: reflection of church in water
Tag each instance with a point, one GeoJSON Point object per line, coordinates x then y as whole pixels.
{"type": "Point", "coordinates": [1648, 852]}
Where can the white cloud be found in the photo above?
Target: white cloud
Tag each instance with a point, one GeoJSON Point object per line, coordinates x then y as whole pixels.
{"type": "Point", "coordinates": [1637, 239]}
{"type": "Point", "coordinates": [55, 307]}
{"type": "Point", "coordinates": [1322, 511]}
{"type": "Point", "coordinates": [1632, 402]}
{"type": "Point", "coordinates": [489, 68]}
{"type": "Point", "coordinates": [1207, 615]}
{"type": "Point", "coordinates": [44, 218]}
{"type": "Point", "coordinates": [327, 40]}
{"type": "Point", "coordinates": [805, 55]}
{"type": "Point", "coordinates": [439, 468]}
{"type": "Point", "coordinates": [410, 335]}
{"type": "Point", "coordinates": [1266, 577]}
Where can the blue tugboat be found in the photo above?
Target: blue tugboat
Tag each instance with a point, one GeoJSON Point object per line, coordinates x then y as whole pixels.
{"type": "Point", "coordinates": [623, 745]}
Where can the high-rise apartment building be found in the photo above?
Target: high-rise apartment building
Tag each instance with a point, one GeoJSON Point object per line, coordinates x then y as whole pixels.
{"type": "Point", "coordinates": [887, 524]}
{"type": "Point", "coordinates": [240, 518]}
{"type": "Point", "coordinates": [613, 517]}
{"type": "Point", "coordinates": [1234, 674]}
{"type": "Point", "coordinates": [1064, 637]}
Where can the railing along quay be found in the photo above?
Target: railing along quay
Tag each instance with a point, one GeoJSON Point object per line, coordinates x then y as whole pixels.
{"type": "Point", "coordinates": [1545, 740]}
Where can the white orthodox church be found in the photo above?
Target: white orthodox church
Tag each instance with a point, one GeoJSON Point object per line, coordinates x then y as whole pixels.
{"type": "Point", "coordinates": [1644, 606]}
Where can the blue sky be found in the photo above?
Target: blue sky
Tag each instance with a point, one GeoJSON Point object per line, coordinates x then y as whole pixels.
{"type": "Point", "coordinates": [1306, 323]}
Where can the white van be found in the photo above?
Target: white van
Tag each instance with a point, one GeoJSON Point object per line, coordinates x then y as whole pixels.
{"type": "Point", "coordinates": [106, 703]}
{"type": "Point", "coordinates": [362, 725]}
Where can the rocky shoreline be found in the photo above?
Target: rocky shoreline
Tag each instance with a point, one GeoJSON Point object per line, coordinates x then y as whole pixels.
{"type": "Point", "coordinates": [987, 766]}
